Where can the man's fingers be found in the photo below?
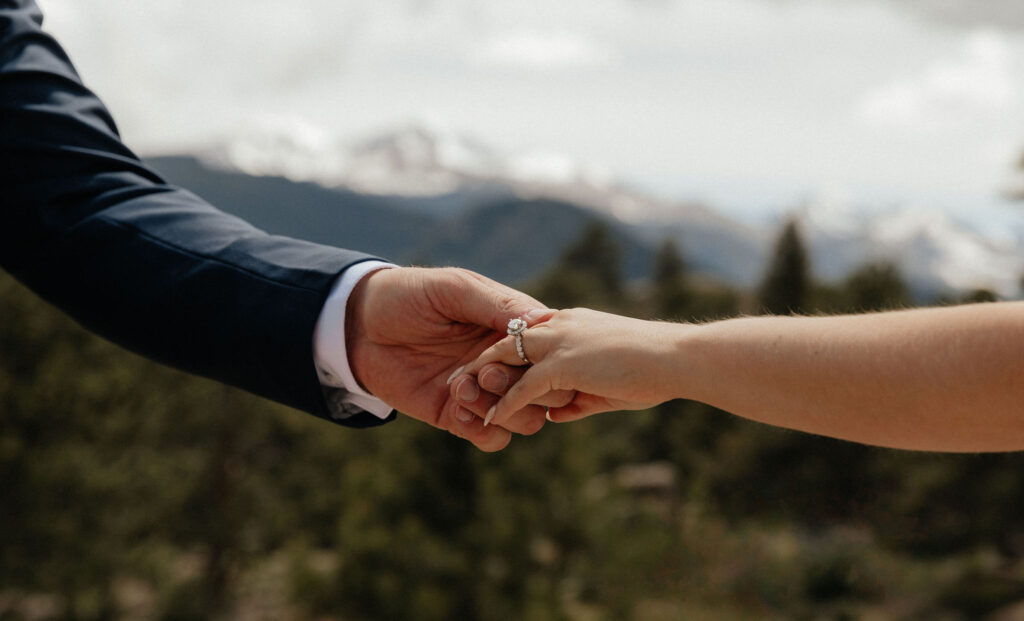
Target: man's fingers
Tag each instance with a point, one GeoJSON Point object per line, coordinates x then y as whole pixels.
{"type": "Point", "coordinates": [466, 392]}
{"type": "Point", "coordinates": [485, 302]}
{"type": "Point", "coordinates": [526, 421]}
{"type": "Point", "coordinates": [497, 378]}
{"type": "Point", "coordinates": [467, 425]}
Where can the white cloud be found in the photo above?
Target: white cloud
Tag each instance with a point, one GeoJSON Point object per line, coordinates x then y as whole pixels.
{"type": "Point", "coordinates": [979, 84]}
{"type": "Point", "coordinates": [969, 13]}
{"type": "Point", "coordinates": [749, 100]}
{"type": "Point", "coordinates": [554, 50]}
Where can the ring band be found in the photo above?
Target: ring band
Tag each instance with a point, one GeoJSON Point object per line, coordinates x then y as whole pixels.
{"type": "Point", "coordinates": [516, 328]}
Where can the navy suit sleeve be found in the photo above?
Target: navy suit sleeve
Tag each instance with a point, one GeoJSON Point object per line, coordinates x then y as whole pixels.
{"type": "Point", "coordinates": [86, 225]}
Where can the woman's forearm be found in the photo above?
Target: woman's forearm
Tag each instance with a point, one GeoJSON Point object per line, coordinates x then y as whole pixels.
{"type": "Point", "coordinates": [947, 379]}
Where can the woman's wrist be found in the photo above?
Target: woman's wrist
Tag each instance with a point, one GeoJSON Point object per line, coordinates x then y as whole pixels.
{"type": "Point", "coordinates": [684, 367]}
{"type": "Point", "coordinates": [670, 363]}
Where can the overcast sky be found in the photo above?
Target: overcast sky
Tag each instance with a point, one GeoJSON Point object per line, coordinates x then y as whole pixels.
{"type": "Point", "coordinates": [750, 104]}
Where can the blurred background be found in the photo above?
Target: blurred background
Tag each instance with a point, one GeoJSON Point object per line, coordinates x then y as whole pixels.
{"type": "Point", "coordinates": [685, 160]}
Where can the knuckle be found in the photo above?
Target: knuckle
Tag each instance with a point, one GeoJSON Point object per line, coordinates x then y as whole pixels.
{"type": "Point", "coordinates": [460, 273]}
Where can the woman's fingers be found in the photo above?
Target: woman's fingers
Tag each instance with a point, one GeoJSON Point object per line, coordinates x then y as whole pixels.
{"type": "Point", "coordinates": [501, 361]}
{"type": "Point", "coordinates": [466, 425]}
{"type": "Point", "coordinates": [477, 395]}
{"type": "Point", "coordinates": [529, 388]}
{"type": "Point", "coordinates": [582, 406]}
{"type": "Point", "coordinates": [497, 378]}
{"type": "Point", "coordinates": [504, 352]}
{"type": "Point", "coordinates": [474, 401]}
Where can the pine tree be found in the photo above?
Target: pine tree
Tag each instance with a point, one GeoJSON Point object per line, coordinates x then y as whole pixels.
{"type": "Point", "coordinates": [786, 284]}
{"type": "Point", "coordinates": [587, 274]}
{"type": "Point", "coordinates": [876, 286]}
{"type": "Point", "coordinates": [672, 296]}
{"type": "Point", "coordinates": [1017, 192]}
{"type": "Point", "coordinates": [597, 252]}
{"type": "Point", "coordinates": [977, 296]}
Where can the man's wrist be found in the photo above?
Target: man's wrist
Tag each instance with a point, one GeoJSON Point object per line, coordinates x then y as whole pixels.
{"type": "Point", "coordinates": [355, 325]}
{"type": "Point", "coordinates": [330, 339]}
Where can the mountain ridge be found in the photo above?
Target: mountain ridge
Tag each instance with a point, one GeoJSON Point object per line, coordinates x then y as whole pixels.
{"type": "Point", "coordinates": [506, 238]}
{"type": "Point", "coordinates": [426, 196]}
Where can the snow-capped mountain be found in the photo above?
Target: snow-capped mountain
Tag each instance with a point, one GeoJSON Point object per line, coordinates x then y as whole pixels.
{"type": "Point", "coordinates": [935, 251]}
{"type": "Point", "coordinates": [414, 160]}
{"type": "Point", "coordinates": [411, 160]}
{"type": "Point", "coordinates": [286, 148]}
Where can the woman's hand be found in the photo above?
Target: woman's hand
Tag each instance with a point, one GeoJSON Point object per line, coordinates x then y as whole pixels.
{"type": "Point", "coordinates": [612, 362]}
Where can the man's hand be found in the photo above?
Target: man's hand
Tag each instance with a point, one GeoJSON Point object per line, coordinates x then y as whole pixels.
{"type": "Point", "coordinates": [408, 330]}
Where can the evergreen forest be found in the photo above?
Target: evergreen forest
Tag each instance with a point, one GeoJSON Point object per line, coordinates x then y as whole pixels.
{"type": "Point", "coordinates": [132, 491]}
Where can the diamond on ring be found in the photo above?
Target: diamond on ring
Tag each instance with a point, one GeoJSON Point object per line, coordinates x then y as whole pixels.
{"type": "Point", "coordinates": [516, 328]}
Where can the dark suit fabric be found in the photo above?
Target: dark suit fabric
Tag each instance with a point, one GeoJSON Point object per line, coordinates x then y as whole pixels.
{"type": "Point", "coordinates": [150, 266]}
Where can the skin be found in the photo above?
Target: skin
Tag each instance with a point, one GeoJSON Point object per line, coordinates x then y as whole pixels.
{"type": "Point", "coordinates": [939, 379]}
{"type": "Point", "coordinates": [408, 329]}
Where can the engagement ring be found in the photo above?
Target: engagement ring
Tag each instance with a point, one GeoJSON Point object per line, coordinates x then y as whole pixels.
{"type": "Point", "coordinates": [516, 328]}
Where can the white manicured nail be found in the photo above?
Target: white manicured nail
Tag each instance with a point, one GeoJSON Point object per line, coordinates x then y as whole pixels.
{"type": "Point", "coordinates": [490, 415]}
{"type": "Point", "coordinates": [455, 374]}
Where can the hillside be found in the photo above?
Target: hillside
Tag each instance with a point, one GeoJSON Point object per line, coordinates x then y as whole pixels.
{"type": "Point", "coordinates": [506, 238]}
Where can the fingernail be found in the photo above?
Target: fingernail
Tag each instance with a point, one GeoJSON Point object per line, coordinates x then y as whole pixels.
{"type": "Point", "coordinates": [493, 381]}
{"type": "Point", "coordinates": [467, 392]}
{"type": "Point", "coordinates": [455, 374]}
{"type": "Point", "coordinates": [464, 415]}
{"type": "Point", "coordinates": [490, 415]}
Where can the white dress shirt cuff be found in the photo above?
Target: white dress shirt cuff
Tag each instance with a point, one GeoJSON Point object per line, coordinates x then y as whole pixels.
{"type": "Point", "coordinates": [330, 355]}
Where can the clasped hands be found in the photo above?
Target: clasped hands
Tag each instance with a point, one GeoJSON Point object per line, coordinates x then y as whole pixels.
{"type": "Point", "coordinates": [408, 329]}
{"type": "Point", "coordinates": [431, 342]}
